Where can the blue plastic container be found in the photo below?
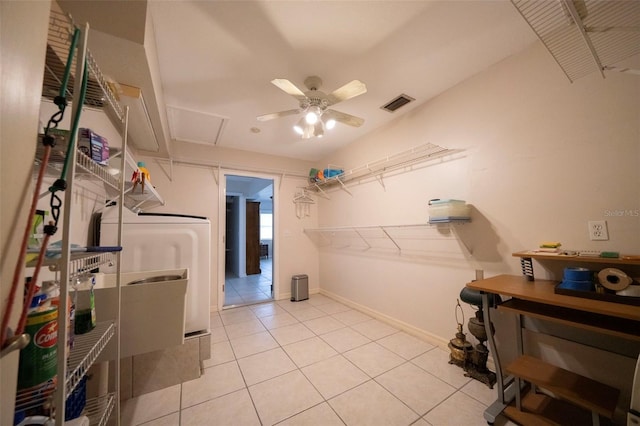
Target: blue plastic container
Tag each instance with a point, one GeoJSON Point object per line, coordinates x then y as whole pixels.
{"type": "Point", "coordinates": [76, 400]}
{"type": "Point", "coordinates": [577, 285]}
{"type": "Point", "coordinates": [577, 274]}
{"type": "Point", "coordinates": [329, 173]}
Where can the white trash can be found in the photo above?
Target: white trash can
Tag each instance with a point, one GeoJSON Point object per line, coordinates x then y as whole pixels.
{"type": "Point", "coordinates": [299, 287]}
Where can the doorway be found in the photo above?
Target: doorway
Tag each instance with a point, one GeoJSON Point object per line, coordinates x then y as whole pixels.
{"type": "Point", "coordinates": [248, 244]}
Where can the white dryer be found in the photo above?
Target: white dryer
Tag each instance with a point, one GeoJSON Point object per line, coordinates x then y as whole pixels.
{"type": "Point", "coordinates": [153, 241]}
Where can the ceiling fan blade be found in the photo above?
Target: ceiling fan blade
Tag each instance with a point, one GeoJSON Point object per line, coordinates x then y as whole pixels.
{"type": "Point", "coordinates": [289, 87]}
{"type": "Point", "coordinates": [273, 115]}
{"type": "Point", "coordinates": [348, 91]}
{"type": "Point", "coordinates": [345, 118]}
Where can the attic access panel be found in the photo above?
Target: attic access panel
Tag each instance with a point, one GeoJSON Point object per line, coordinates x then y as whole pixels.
{"type": "Point", "coordinates": [195, 126]}
{"type": "Point", "coordinates": [585, 36]}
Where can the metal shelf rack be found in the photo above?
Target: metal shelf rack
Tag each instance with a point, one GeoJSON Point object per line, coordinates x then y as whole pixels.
{"type": "Point", "coordinates": [99, 409]}
{"type": "Point", "coordinates": [81, 262]}
{"type": "Point", "coordinates": [86, 349]}
{"type": "Point", "coordinates": [73, 364]}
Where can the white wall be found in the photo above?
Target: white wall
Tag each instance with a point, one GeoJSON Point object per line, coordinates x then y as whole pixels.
{"type": "Point", "coordinates": [542, 157]}
{"type": "Point", "coordinates": [23, 35]}
{"type": "Point", "coordinates": [193, 189]}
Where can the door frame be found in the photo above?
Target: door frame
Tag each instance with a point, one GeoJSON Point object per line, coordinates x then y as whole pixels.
{"type": "Point", "coordinates": [240, 252]}
{"type": "Point", "coordinates": [222, 230]}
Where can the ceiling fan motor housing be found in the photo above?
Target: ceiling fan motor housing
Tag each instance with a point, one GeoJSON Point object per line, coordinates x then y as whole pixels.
{"type": "Point", "coordinates": [313, 82]}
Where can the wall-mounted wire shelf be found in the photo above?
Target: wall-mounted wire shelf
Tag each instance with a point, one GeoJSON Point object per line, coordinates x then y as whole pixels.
{"type": "Point", "coordinates": [390, 239]}
{"type": "Point", "coordinates": [134, 198]}
{"type": "Point", "coordinates": [86, 168]}
{"type": "Point", "coordinates": [98, 178]}
{"type": "Point", "coordinates": [585, 36]}
{"type": "Point", "coordinates": [99, 94]}
{"type": "Point", "coordinates": [376, 169]}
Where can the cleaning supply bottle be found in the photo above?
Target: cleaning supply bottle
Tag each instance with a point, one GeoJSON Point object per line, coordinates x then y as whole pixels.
{"type": "Point", "coordinates": [38, 360]}
{"type": "Point", "coordinates": [52, 290]}
{"type": "Point", "coordinates": [85, 315]}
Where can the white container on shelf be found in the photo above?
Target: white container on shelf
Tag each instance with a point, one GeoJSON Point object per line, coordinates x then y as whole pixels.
{"type": "Point", "coordinates": [448, 208]}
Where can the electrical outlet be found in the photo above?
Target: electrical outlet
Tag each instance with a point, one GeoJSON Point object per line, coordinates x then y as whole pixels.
{"type": "Point", "coordinates": [598, 230]}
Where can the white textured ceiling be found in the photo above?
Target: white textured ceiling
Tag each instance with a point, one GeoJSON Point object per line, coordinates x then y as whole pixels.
{"type": "Point", "coordinates": [217, 59]}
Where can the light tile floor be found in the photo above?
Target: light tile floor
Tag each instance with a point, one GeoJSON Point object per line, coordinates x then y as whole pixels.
{"type": "Point", "coordinates": [316, 362]}
{"type": "Point", "coordinates": [249, 289]}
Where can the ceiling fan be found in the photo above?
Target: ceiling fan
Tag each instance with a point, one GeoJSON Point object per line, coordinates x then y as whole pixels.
{"type": "Point", "coordinates": [315, 106]}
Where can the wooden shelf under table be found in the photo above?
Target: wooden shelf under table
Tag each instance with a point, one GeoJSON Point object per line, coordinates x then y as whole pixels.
{"type": "Point", "coordinates": [541, 410]}
{"type": "Point", "coordinates": [582, 391]}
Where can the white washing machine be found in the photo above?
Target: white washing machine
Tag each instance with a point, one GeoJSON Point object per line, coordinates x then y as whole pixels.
{"type": "Point", "coordinates": [154, 241]}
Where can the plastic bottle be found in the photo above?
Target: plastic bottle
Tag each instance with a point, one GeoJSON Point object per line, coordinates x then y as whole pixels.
{"type": "Point", "coordinates": [52, 290]}
{"type": "Point", "coordinates": [85, 315]}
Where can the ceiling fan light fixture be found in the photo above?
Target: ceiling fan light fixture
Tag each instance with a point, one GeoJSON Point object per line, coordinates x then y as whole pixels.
{"type": "Point", "coordinates": [300, 126]}
{"type": "Point", "coordinates": [305, 130]}
{"type": "Point", "coordinates": [308, 132]}
{"type": "Point", "coordinates": [329, 123]}
{"type": "Point", "coordinates": [313, 115]}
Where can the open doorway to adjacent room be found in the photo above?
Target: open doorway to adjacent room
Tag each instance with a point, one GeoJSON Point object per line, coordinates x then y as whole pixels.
{"type": "Point", "coordinates": [248, 242]}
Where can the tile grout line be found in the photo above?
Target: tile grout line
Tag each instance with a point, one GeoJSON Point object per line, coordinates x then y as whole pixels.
{"type": "Point", "coordinates": [280, 346]}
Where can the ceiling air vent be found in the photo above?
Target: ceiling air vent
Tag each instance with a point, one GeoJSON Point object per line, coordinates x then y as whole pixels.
{"type": "Point", "coordinates": [397, 102]}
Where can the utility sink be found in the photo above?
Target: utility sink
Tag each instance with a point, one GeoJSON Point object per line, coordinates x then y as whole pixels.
{"type": "Point", "coordinates": [156, 279]}
{"type": "Point", "coordinates": [152, 313]}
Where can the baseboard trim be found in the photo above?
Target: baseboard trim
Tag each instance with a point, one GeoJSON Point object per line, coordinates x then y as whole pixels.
{"type": "Point", "coordinates": [287, 296]}
{"type": "Point", "coordinates": [408, 328]}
